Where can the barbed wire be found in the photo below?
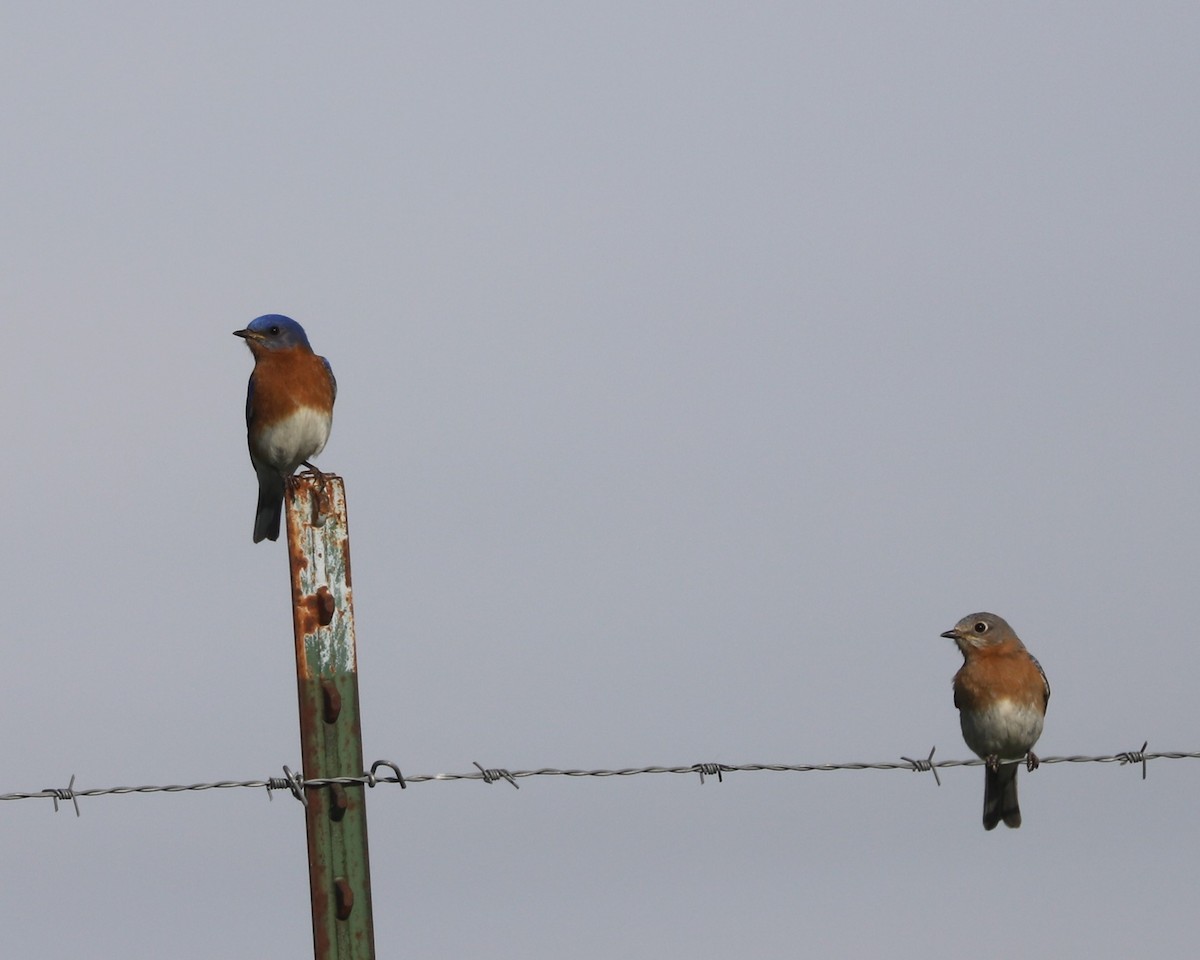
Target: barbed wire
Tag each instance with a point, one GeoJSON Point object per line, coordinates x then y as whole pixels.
{"type": "Point", "coordinates": [297, 785]}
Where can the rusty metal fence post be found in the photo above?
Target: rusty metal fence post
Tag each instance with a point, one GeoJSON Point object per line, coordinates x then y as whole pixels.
{"type": "Point", "coordinates": [330, 730]}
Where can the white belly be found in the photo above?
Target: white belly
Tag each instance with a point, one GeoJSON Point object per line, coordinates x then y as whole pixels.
{"type": "Point", "coordinates": [1006, 730]}
{"type": "Point", "coordinates": [294, 439]}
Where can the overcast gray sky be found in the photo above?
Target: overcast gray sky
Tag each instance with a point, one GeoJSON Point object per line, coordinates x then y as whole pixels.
{"type": "Point", "coordinates": [699, 364]}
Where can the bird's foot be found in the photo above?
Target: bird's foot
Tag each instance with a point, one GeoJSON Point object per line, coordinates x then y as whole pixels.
{"type": "Point", "coordinates": [1031, 761]}
{"type": "Point", "coordinates": [321, 502]}
{"type": "Point", "coordinates": [992, 762]}
{"type": "Point", "coordinates": [319, 475]}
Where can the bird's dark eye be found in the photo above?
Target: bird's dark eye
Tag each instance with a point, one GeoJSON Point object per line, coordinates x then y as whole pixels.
{"type": "Point", "coordinates": [980, 626]}
{"type": "Point", "coordinates": [274, 331]}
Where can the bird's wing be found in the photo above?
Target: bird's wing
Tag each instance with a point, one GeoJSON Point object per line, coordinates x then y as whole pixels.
{"type": "Point", "coordinates": [332, 378]}
{"type": "Point", "coordinates": [1045, 682]}
{"type": "Point", "coordinates": [249, 399]}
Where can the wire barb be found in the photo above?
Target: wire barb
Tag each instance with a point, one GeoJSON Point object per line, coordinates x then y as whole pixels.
{"type": "Point", "coordinates": [925, 766]}
{"type": "Point", "coordinates": [64, 793]}
{"type": "Point", "coordinates": [296, 785]}
{"type": "Point", "coordinates": [709, 769]}
{"type": "Point", "coordinates": [491, 776]}
{"type": "Point", "coordinates": [1136, 756]}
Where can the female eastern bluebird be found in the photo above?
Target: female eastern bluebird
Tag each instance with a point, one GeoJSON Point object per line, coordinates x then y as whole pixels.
{"type": "Point", "coordinates": [1001, 693]}
{"type": "Point", "coordinates": [289, 409]}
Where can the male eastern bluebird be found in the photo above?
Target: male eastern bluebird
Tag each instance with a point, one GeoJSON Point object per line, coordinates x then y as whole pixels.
{"type": "Point", "coordinates": [289, 409]}
{"type": "Point", "coordinates": [1001, 693]}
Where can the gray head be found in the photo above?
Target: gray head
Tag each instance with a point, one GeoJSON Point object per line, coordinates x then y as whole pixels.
{"type": "Point", "coordinates": [979, 630]}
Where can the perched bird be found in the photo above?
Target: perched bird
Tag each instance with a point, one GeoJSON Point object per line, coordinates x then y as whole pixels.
{"type": "Point", "coordinates": [1001, 693]}
{"type": "Point", "coordinates": [289, 409]}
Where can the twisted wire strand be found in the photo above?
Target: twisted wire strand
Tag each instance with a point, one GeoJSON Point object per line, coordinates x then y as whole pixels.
{"type": "Point", "coordinates": [294, 783]}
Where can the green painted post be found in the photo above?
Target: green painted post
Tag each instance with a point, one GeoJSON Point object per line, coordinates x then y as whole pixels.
{"type": "Point", "coordinates": [330, 730]}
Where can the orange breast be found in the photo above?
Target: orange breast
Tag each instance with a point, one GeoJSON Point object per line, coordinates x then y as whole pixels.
{"type": "Point", "coordinates": [999, 673]}
{"type": "Point", "coordinates": [287, 379]}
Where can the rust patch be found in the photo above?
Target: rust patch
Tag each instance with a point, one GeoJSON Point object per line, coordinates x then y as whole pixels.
{"type": "Point", "coordinates": [326, 606]}
{"type": "Point", "coordinates": [296, 555]}
{"type": "Point", "coordinates": [307, 619]}
{"type": "Point", "coordinates": [310, 739]}
{"type": "Point", "coordinates": [315, 610]}
{"type": "Point", "coordinates": [331, 699]}
{"type": "Point", "coordinates": [344, 895]}
{"type": "Point", "coordinates": [340, 804]}
{"type": "Point", "coordinates": [322, 942]}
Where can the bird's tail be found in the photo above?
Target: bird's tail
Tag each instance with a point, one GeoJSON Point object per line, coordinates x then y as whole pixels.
{"type": "Point", "coordinates": [1000, 796]}
{"type": "Point", "coordinates": [270, 506]}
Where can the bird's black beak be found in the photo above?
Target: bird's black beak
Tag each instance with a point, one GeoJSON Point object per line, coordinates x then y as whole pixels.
{"type": "Point", "coordinates": [244, 334]}
{"type": "Point", "coordinates": [950, 635]}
